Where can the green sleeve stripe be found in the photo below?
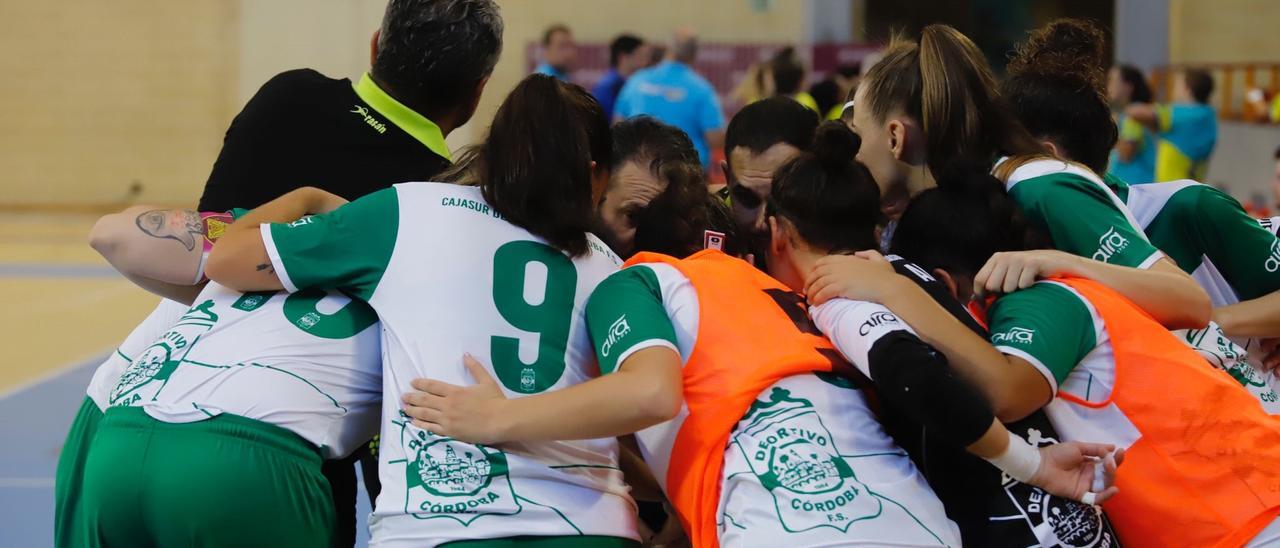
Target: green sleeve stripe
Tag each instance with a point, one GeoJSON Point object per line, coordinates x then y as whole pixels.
{"type": "Point", "coordinates": [1034, 361]}
{"type": "Point", "coordinates": [645, 345]}
{"type": "Point", "coordinates": [269, 242]}
{"type": "Point", "coordinates": [1151, 260]}
{"type": "Point", "coordinates": [347, 249]}
{"type": "Point", "coordinates": [625, 315]}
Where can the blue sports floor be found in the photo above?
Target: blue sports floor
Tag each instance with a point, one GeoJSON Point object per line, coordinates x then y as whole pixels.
{"type": "Point", "coordinates": [64, 310]}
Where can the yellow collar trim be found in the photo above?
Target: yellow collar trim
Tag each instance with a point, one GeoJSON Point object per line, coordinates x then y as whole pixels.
{"type": "Point", "coordinates": [416, 125]}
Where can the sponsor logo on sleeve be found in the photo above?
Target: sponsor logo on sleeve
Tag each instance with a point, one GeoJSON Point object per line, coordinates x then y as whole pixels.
{"type": "Point", "coordinates": [301, 222]}
{"type": "Point", "coordinates": [1016, 335]}
{"type": "Point", "coordinates": [617, 330]}
{"type": "Point", "coordinates": [881, 319]}
{"type": "Point", "coordinates": [1109, 245]}
{"type": "Point", "coordinates": [1273, 260]}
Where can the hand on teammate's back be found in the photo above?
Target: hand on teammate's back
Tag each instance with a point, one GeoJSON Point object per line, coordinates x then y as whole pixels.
{"type": "Point", "coordinates": [461, 412]}
{"type": "Point", "coordinates": [863, 276]}
{"type": "Point", "coordinates": [1010, 271]}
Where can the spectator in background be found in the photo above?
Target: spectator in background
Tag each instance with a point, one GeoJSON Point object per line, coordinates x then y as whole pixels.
{"type": "Point", "coordinates": [1188, 128]}
{"type": "Point", "coordinates": [830, 93]}
{"type": "Point", "coordinates": [657, 54]}
{"type": "Point", "coordinates": [627, 54]}
{"type": "Point", "coordinates": [675, 94]}
{"type": "Point", "coordinates": [558, 52]}
{"type": "Point", "coordinates": [1134, 158]}
{"type": "Point", "coordinates": [756, 84]}
{"type": "Point", "coordinates": [1275, 181]}
{"type": "Point", "coordinates": [430, 62]}
{"type": "Point", "coordinates": [788, 78]}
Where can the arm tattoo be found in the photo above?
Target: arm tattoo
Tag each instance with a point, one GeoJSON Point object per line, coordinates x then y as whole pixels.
{"type": "Point", "coordinates": [181, 225]}
{"type": "Point", "coordinates": [267, 267]}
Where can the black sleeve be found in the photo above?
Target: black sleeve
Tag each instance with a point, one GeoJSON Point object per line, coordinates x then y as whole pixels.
{"type": "Point", "coordinates": [917, 380]}
{"type": "Point", "coordinates": [936, 290]}
{"type": "Point", "coordinates": [257, 140]}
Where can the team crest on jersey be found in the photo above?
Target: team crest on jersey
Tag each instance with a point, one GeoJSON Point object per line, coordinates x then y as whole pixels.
{"type": "Point", "coordinates": [795, 458]}
{"type": "Point", "coordinates": [447, 478]}
{"type": "Point", "coordinates": [1221, 352]}
{"type": "Point", "coordinates": [1057, 522]}
{"type": "Point", "coordinates": [162, 358]}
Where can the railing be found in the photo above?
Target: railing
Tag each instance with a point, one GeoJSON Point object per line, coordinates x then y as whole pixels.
{"type": "Point", "coordinates": [1242, 92]}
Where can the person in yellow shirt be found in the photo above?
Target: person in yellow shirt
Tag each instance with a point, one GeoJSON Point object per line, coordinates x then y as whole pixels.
{"type": "Point", "coordinates": [1188, 128]}
{"type": "Point", "coordinates": [788, 78]}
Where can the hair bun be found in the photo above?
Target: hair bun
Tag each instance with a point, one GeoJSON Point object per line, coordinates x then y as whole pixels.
{"type": "Point", "coordinates": [1072, 49]}
{"type": "Point", "coordinates": [835, 145]}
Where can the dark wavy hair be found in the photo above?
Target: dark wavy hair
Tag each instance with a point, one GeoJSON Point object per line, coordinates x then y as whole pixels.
{"type": "Point", "coordinates": [1056, 85]}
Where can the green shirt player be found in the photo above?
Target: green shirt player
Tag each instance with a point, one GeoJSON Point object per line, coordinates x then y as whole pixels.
{"type": "Point", "coordinates": [1237, 262]}
{"type": "Point", "coordinates": [504, 270]}
{"type": "Point", "coordinates": [1201, 229]}
{"type": "Point", "coordinates": [805, 461]}
{"type": "Point", "coordinates": [238, 388]}
{"type": "Point", "coordinates": [907, 150]}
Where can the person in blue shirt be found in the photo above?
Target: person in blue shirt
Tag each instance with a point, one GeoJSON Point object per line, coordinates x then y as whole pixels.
{"type": "Point", "coordinates": [1188, 128]}
{"type": "Point", "coordinates": [558, 52]}
{"type": "Point", "coordinates": [675, 94]}
{"type": "Point", "coordinates": [627, 54]}
{"type": "Point", "coordinates": [1133, 160]}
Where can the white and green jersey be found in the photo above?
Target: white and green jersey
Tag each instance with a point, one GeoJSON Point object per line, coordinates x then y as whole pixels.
{"type": "Point", "coordinates": [1270, 224]}
{"type": "Point", "coordinates": [1208, 233]}
{"type": "Point", "coordinates": [809, 464]}
{"type": "Point", "coordinates": [448, 275]}
{"type": "Point", "coordinates": [1060, 333]}
{"type": "Point", "coordinates": [108, 374]}
{"type": "Point", "coordinates": [1080, 213]}
{"type": "Point", "coordinates": [1231, 255]}
{"type": "Point", "coordinates": [308, 362]}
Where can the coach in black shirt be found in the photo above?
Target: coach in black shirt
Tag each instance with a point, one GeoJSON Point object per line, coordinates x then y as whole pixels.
{"type": "Point", "coordinates": [430, 62]}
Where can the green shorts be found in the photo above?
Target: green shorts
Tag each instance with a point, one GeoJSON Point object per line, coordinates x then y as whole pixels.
{"type": "Point", "coordinates": [225, 481]}
{"type": "Point", "coordinates": [587, 541]}
{"type": "Point", "coordinates": [69, 480]}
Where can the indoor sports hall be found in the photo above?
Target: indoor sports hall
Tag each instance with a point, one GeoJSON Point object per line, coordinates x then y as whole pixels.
{"type": "Point", "coordinates": [105, 106]}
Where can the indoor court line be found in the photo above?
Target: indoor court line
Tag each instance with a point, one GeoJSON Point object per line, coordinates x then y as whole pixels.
{"type": "Point", "coordinates": [34, 419]}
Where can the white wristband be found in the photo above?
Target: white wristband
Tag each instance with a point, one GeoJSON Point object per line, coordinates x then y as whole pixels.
{"type": "Point", "coordinates": [1020, 460]}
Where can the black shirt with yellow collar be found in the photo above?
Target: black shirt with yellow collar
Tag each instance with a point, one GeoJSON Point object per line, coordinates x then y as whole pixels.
{"type": "Point", "coordinates": [303, 128]}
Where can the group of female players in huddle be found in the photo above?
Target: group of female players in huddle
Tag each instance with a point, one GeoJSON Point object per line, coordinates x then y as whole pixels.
{"type": "Point", "coordinates": [980, 382]}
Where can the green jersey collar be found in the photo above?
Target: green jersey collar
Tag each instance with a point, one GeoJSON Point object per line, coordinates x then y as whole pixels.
{"type": "Point", "coordinates": [405, 118]}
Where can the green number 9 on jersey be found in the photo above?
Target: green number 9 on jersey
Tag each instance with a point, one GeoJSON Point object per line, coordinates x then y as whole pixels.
{"type": "Point", "coordinates": [550, 317]}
